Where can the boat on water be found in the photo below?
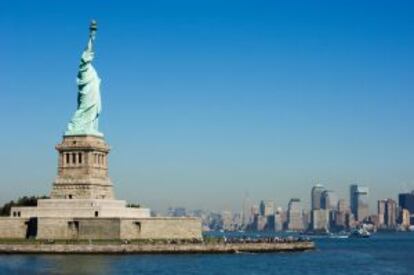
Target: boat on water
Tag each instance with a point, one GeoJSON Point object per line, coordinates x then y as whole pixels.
{"type": "Point", "coordinates": [360, 233]}
{"type": "Point", "coordinates": [339, 236]}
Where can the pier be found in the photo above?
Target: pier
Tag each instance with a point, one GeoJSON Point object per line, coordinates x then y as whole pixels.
{"type": "Point", "coordinates": [154, 248]}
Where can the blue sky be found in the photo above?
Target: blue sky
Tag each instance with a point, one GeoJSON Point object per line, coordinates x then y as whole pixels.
{"type": "Point", "coordinates": [206, 100]}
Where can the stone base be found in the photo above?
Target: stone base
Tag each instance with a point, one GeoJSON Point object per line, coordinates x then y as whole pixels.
{"type": "Point", "coordinates": [84, 219]}
{"type": "Point", "coordinates": [118, 228]}
{"type": "Point", "coordinates": [13, 228]}
{"type": "Point", "coordinates": [70, 228]}
{"type": "Point", "coordinates": [65, 208]}
{"type": "Point", "coordinates": [84, 189]}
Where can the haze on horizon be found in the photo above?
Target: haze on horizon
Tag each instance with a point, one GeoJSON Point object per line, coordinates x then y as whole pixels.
{"type": "Point", "coordinates": [203, 102]}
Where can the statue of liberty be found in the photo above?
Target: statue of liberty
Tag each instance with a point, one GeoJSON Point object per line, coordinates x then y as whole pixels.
{"type": "Point", "coordinates": [85, 120]}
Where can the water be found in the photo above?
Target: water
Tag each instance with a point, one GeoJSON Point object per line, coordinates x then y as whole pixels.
{"type": "Point", "coordinates": [391, 253]}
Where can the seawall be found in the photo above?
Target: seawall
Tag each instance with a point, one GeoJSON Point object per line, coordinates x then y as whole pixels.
{"type": "Point", "coordinates": [155, 248]}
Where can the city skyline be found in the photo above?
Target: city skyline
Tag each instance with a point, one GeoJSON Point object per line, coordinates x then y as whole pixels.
{"type": "Point", "coordinates": [328, 214]}
{"type": "Point", "coordinates": [247, 203]}
{"type": "Point", "coordinates": [268, 100]}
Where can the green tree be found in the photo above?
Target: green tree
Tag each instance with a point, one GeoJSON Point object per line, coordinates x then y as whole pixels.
{"type": "Point", "coordinates": [22, 201]}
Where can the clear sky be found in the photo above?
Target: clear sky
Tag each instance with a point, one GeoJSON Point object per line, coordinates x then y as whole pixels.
{"type": "Point", "coordinates": [204, 101]}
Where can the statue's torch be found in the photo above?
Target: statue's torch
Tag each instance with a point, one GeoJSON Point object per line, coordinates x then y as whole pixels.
{"type": "Point", "coordinates": [93, 27]}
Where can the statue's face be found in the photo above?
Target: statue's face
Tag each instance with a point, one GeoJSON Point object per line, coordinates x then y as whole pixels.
{"type": "Point", "coordinates": [88, 55]}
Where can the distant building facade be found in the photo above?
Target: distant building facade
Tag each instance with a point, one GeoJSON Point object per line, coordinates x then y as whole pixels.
{"type": "Point", "coordinates": [320, 220]}
{"type": "Point", "coordinates": [267, 208]}
{"type": "Point", "coordinates": [280, 219]}
{"type": "Point", "coordinates": [406, 201]}
{"type": "Point", "coordinates": [381, 212]}
{"type": "Point", "coordinates": [177, 212]}
{"type": "Point", "coordinates": [405, 219]}
{"type": "Point", "coordinates": [390, 217]}
{"type": "Point", "coordinates": [329, 200]}
{"type": "Point", "coordinates": [227, 220]}
{"type": "Point", "coordinates": [343, 213]}
{"type": "Point", "coordinates": [387, 214]}
{"type": "Point", "coordinates": [295, 215]}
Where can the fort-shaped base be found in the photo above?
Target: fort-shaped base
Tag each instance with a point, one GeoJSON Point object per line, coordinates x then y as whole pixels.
{"type": "Point", "coordinates": [80, 208]}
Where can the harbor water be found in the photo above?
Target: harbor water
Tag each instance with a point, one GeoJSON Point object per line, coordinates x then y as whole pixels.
{"type": "Point", "coordinates": [383, 253]}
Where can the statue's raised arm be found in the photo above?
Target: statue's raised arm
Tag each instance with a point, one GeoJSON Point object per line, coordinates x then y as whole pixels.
{"type": "Point", "coordinates": [85, 120]}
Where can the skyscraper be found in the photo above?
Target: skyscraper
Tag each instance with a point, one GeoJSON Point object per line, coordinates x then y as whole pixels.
{"type": "Point", "coordinates": [359, 202]}
{"type": "Point", "coordinates": [320, 219]}
{"type": "Point", "coordinates": [342, 215]}
{"type": "Point", "coordinates": [266, 208]}
{"type": "Point", "coordinates": [262, 208]}
{"type": "Point", "coordinates": [329, 203]}
{"type": "Point", "coordinates": [316, 196]}
{"type": "Point", "coordinates": [390, 217]}
{"type": "Point", "coordinates": [246, 210]}
{"type": "Point", "coordinates": [405, 218]}
{"type": "Point", "coordinates": [387, 213]}
{"type": "Point", "coordinates": [226, 220]}
{"type": "Point", "coordinates": [406, 201]}
{"type": "Point", "coordinates": [294, 216]}
{"type": "Point", "coordinates": [343, 206]}
{"type": "Point", "coordinates": [269, 208]}
{"type": "Point", "coordinates": [280, 218]}
{"type": "Point", "coordinates": [381, 212]}
{"type": "Point", "coordinates": [254, 214]}
{"type": "Point", "coordinates": [329, 200]}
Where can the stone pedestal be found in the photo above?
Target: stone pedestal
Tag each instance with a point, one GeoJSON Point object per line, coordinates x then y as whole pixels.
{"type": "Point", "coordinates": [82, 169]}
{"type": "Point", "coordinates": [82, 204]}
{"type": "Point", "coordinates": [82, 187]}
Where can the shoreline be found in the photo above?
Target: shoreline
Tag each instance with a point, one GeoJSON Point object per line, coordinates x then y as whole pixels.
{"type": "Point", "coordinates": [200, 248]}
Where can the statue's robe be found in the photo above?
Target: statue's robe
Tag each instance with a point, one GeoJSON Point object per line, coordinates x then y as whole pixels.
{"type": "Point", "coordinates": [86, 118]}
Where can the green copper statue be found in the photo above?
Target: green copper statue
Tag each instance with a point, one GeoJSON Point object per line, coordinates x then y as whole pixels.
{"type": "Point", "coordinates": [85, 119]}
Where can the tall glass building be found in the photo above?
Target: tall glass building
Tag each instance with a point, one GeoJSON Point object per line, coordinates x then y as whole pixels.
{"type": "Point", "coordinates": [316, 196]}
{"type": "Point", "coordinates": [329, 200]}
{"type": "Point", "coordinates": [359, 202]}
{"type": "Point", "coordinates": [406, 201]}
